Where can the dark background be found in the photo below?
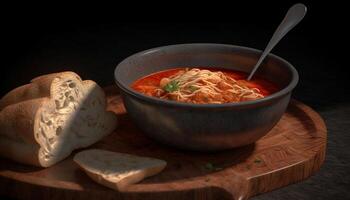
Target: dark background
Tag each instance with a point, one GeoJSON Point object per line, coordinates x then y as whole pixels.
{"type": "Point", "coordinates": [91, 43]}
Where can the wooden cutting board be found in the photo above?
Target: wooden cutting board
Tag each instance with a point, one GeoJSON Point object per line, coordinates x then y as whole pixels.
{"type": "Point", "coordinates": [291, 152]}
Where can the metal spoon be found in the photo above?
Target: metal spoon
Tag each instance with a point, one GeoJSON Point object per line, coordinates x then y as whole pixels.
{"type": "Point", "coordinates": [294, 15]}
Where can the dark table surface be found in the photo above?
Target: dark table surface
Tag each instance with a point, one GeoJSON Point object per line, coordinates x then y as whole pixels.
{"type": "Point", "coordinates": [94, 50]}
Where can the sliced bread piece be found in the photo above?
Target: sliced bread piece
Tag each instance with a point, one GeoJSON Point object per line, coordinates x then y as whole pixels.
{"type": "Point", "coordinates": [117, 170]}
{"type": "Point", "coordinates": [41, 123]}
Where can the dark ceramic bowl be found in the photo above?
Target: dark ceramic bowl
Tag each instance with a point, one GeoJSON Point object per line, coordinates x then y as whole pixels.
{"type": "Point", "coordinates": [205, 127]}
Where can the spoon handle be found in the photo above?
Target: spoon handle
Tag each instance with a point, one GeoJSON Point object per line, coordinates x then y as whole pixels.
{"type": "Point", "coordinates": [294, 15]}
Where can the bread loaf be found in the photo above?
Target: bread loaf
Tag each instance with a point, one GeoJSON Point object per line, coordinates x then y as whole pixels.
{"type": "Point", "coordinates": [117, 170]}
{"type": "Point", "coordinates": [42, 122]}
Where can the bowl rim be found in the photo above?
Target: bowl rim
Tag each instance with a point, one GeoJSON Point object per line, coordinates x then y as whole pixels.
{"type": "Point", "coordinates": [280, 93]}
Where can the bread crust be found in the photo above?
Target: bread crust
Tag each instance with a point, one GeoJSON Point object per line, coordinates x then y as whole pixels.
{"type": "Point", "coordinates": [21, 152]}
{"type": "Point", "coordinates": [38, 88]}
{"type": "Point", "coordinates": [28, 112]}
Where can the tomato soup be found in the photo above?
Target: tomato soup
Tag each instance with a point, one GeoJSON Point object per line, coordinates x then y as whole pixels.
{"type": "Point", "coordinates": [204, 86]}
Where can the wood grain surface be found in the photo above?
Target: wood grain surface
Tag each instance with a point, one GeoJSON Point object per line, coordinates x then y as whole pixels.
{"type": "Point", "coordinates": [292, 151]}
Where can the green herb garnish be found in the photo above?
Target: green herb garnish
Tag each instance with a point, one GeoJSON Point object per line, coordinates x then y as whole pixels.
{"type": "Point", "coordinates": [172, 86]}
{"type": "Point", "coordinates": [209, 166]}
{"type": "Point", "coordinates": [257, 161]}
{"type": "Point", "coordinates": [192, 88]}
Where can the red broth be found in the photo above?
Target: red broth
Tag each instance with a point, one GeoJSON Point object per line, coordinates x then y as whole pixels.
{"type": "Point", "coordinates": [149, 84]}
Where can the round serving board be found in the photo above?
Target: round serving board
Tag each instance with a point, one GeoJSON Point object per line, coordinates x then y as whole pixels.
{"type": "Point", "coordinates": [292, 151]}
